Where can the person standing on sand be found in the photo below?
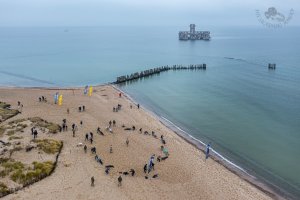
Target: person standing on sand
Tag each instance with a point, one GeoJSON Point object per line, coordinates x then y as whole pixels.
{"type": "Point", "coordinates": [86, 137]}
{"type": "Point", "coordinates": [145, 168]}
{"type": "Point", "coordinates": [92, 181]}
{"type": "Point", "coordinates": [207, 151]}
{"type": "Point", "coordinates": [85, 148]}
{"type": "Point", "coordinates": [119, 181]}
{"type": "Point", "coordinates": [127, 142]}
{"type": "Point", "coordinates": [35, 133]}
{"type": "Point", "coordinates": [138, 106]}
{"type": "Point", "coordinates": [110, 149]}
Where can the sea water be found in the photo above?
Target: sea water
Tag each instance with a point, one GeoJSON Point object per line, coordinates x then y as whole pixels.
{"type": "Point", "coordinates": [250, 114]}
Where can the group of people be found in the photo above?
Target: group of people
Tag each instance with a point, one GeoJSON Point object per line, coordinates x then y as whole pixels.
{"type": "Point", "coordinates": [89, 137]}
{"type": "Point", "coordinates": [34, 132]}
{"type": "Point", "coordinates": [42, 99]}
{"type": "Point", "coordinates": [81, 108]}
{"type": "Point", "coordinates": [117, 108]}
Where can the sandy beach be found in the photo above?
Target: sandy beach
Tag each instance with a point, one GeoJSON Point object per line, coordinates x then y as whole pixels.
{"type": "Point", "coordinates": [185, 174]}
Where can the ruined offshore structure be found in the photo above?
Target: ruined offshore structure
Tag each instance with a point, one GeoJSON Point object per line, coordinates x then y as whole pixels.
{"type": "Point", "coordinates": [272, 66]}
{"type": "Point", "coordinates": [157, 70]}
{"type": "Point", "coordinates": [194, 35]}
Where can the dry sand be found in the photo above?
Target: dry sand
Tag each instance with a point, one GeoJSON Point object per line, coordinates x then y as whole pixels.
{"type": "Point", "coordinates": [184, 175]}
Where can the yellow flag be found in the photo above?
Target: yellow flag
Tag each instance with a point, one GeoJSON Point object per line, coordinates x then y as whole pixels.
{"type": "Point", "coordinates": [60, 99]}
{"type": "Point", "coordinates": [90, 90]}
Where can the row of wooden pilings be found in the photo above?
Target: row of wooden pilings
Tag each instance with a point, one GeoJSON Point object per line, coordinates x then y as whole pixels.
{"type": "Point", "coordinates": [157, 70]}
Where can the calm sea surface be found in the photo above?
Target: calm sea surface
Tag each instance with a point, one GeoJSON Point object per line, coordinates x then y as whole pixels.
{"type": "Point", "coordinates": [249, 114]}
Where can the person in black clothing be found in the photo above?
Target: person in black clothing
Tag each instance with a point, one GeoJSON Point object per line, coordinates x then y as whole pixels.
{"type": "Point", "coordinates": [92, 181]}
{"type": "Point", "coordinates": [119, 181]}
{"type": "Point", "coordinates": [132, 172]}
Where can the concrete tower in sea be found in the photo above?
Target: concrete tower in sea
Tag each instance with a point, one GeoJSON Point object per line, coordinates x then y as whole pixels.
{"type": "Point", "coordinates": [193, 34]}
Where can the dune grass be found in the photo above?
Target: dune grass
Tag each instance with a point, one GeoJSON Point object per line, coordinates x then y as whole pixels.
{"type": "Point", "coordinates": [6, 112]}
{"type": "Point", "coordinates": [49, 146]}
{"type": "Point", "coordinates": [15, 137]}
{"type": "Point", "coordinates": [10, 132]}
{"type": "Point", "coordinates": [24, 175]}
{"type": "Point", "coordinates": [2, 130]}
{"type": "Point", "coordinates": [39, 171]}
{"type": "Point", "coordinates": [53, 128]}
{"type": "Point", "coordinates": [3, 189]}
{"type": "Point", "coordinates": [9, 166]}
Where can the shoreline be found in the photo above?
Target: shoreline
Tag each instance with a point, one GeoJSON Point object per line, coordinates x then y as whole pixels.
{"type": "Point", "coordinates": [198, 144]}
{"type": "Point", "coordinates": [271, 190]}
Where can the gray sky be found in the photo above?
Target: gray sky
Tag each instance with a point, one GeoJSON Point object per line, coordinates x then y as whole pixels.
{"type": "Point", "coordinates": [138, 12]}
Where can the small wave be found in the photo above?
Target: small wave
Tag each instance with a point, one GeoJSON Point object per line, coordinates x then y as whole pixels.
{"type": "Point", "coordinates": [26, 77]}
{"type": "Point", "coordinates": [245, 61]}
{"type": "Point", "coordinates": [214, 151]}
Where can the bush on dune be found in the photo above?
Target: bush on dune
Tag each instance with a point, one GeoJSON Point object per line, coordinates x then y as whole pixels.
{"type": "Point", "coordinates": [49, 146]}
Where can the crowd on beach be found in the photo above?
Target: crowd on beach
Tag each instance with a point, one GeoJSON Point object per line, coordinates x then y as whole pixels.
{"type": "Point", "coordinates": [87, 143]}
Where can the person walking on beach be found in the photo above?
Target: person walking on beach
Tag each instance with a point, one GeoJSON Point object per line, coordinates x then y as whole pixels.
{"type": "Point", "coordinates": [138, 106]}
{"type": "Point", "coordinates": [85, 148]}
{"type": "Point", "coordinates": [92, 181]}
{"type": "Point", "coordinates": [35, 133]}
{"type": "Point", "coordinates": [145, 168]}
{"type": "Point", "coordinates": [119, 181]}
{"type": "Point", "coordinates": [207, 151]}
{"type": "Point", "coordinates": [127, 142]}
{"type": "Point", "coordinates": [86, 137]}
{"type": "Point", "coordinates": [110, 149]}
{"type": "Point", "coordinates": [132, 172]}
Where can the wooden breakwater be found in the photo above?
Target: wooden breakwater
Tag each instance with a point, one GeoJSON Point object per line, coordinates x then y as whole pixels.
{"type": "Point", "coordinates": [158, 70]}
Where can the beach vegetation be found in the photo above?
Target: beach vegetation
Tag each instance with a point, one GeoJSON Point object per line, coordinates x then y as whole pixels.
{"type": "Point", "coordinates": [53, 128]}
{"type": "Point", "coordinates": [3, 189]}
{"type": "Point", "coordinates": [16, 121]}
{"type": "Point", "coordinates": [49, 146]}
{"type": "Point", "coordinates": [39, 171]}
{"type": "Point", "coordinates": [6, 112]}
{"type": "Point", "coordinates": [2, 130]}
{"type": "Point", "coordinates": [10, 132]}
{"type": "Point", "coordinates": [20, 127]}
{"type": "Point", "coordinates": [15, 137]}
